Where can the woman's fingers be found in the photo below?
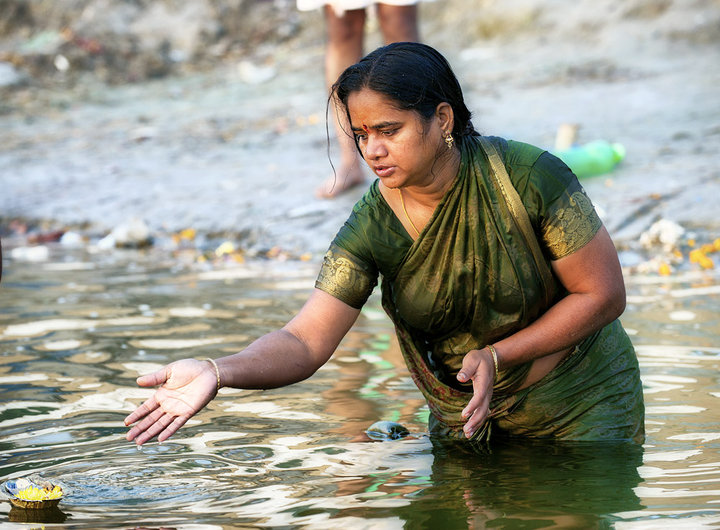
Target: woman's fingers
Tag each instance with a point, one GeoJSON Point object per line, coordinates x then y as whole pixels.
{"type": "Point", "coordinates": [476, 412]}
{"type": "Point", "coordinates": [479, 414]}
{"type": "Point", "coordinates": [470, 364]}
{"type": "Point", "coordinates": [148, 430]}
{"type": "Point", "coordinates": [154, 429]}
{"type": "Point", "coordinates": [171, 429]}
{"type": "Point", "coordinates": [143, 410]}
{"type": "Point", "coordinates": [185, 389]}
{"type": "Point", "coordinates": [145, 424]}
{"type": "Point", "coordinates": [155, 378]}
{"type": "Point", "coordinates": [156, 423]}
{"type": "Point", "coordinates": [477, 408]}
{"type": "Point", "coordinates": [472, 405]}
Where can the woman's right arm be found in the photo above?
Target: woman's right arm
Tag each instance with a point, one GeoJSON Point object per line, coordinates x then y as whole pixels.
{"type": "Point", "coordinates": [277, 359]}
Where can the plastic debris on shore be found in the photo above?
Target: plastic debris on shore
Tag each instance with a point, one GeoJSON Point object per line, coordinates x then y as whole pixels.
{"type": "Point", "coordinates": [34, 242]}
{"type": "Point", "coordinates": [33, 254]}
{"type": "Point", "coordinates": [663, 232]}
{"type": "Point", "coordinates": [586, 160]}
{"type": "Point", "coordinates": [255, 74]}
{"type": "Point", "coordinates": [133, 233]}
{"type": "Point", "coordinates": [593, 158]}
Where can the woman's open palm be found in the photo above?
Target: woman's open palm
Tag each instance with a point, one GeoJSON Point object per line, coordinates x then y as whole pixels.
{"type": "Point", "coordinates": [187, 386]}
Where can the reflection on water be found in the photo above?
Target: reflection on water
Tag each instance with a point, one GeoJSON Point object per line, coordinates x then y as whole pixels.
{"type": "Point", "coordinates": [76, 331]}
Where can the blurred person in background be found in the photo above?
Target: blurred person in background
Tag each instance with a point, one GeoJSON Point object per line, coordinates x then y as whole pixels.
{"type": "Point", "coordinates": [345, 23]}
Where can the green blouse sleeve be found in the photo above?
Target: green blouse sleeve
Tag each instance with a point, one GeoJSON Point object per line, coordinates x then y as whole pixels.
{"type": "Point", "coordinates": [346, 277]}
{"type": "Point", "coordinates": [348, 271]}
{"type": "Point", "coordinates": [569, 219]}
{"type": "Point", "coordinates": [562, 213]}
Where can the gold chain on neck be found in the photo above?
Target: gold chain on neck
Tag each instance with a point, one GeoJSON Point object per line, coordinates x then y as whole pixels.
{"type": "Point", "coordinates": [402, 203]}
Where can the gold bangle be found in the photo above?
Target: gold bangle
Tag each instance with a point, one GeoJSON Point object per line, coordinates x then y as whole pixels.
{"type": "Point", "coordinates": [493, 352]}
{"type": "Point", "coordinates": [217, 371]}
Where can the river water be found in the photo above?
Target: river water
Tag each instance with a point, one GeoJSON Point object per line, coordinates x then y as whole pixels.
{"type": "Point", "coordinates": [79, 327]}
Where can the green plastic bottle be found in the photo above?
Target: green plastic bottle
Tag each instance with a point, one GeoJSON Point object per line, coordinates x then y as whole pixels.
{"type": "Point", "coordinates": [594, 158]}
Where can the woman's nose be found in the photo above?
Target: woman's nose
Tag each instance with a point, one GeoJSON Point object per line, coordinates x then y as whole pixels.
{"type": "Point", "coordinates": [375, 147]}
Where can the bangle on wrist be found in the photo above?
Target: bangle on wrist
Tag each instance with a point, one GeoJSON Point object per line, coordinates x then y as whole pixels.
{"type": "Point", "coordinates": [217, 370]}
{"type": "Point", "coordinates": [493, 352]}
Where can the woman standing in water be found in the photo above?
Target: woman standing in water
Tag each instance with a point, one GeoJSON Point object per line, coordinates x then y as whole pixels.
{"type": "Point", "coordinates": [502, 283]}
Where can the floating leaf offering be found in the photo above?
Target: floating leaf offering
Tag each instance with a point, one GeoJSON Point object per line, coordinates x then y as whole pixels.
{"type": "Point", "coordinates": [33, 492]}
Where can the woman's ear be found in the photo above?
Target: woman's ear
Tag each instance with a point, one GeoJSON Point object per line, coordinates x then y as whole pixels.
{"type": "Point", "coordinates": [445, 116]}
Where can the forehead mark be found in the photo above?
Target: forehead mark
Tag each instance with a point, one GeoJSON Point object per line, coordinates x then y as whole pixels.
{"type": "Point", "coordinates": [365, 128]}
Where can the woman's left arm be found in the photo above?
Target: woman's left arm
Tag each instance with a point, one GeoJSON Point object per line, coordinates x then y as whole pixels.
{"type": "Point", "coordinates": [596, 296]}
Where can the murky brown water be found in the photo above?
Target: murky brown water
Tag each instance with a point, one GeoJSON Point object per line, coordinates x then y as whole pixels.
{"type": "Point", "coordinates": [77, 329]}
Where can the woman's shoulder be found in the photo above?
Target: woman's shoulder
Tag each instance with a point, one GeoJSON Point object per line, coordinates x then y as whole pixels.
{"type": "Point", "coordinates": [371, 200]}
{"type": "Point", "coordinates": [530, 165]}
{"type": "Point", "coordinates": [370, 209]}
{"type": "Point", "coordinates": [522, 154]}
{"type": "Point", "coordinates": [515, 154]}
{"type": "Point", "coordinates": [371, 230]}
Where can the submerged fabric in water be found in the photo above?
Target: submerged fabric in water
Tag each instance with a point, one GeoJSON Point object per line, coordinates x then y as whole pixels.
{"type": "Point", "coordinates": [469, 279]}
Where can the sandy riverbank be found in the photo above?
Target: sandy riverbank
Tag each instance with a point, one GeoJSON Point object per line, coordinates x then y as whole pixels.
{"type": "Point", "coordinates": [237, 150]}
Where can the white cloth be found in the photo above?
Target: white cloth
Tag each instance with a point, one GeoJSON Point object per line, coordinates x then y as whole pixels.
{"type": "Point", "coordinates": [340, 6]}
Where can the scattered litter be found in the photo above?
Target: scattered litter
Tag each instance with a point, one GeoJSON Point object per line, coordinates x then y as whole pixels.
{"type": "Point", "coordinates": [61, 63]}
{"type": "Point", "coordinates": [663, 232]}
{"type": "Point", "coordinates": [255, 75]}
{"type": "Point", "coordinates": [565, 136]}
{"type": "Point", "coordinates": [133, 233]}
{"type": "Point", "coordinates": [9, 75]}
{"type": "Point", "coordinates": [682, 316]}
{"type": "Point", "coordinates": [700, 256]}
{"type": "Point", "coordinates": [188, 234]}
{"type": "Point", "coordinates": [72, 239]}
{"type": "Point", "coordinates": [34, 254]}
{"type": "Point", "coordinates": [141, 134]}
{"type": "Point", "coordinates": [225, 249]}
{"type": "Point", "coordinates": [665, 240]}
{"type": "Point", "coordinates": [386, 430]}
{"type": "Point", "coordinates": [593, 158]}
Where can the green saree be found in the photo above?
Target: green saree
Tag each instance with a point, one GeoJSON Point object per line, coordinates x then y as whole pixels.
{"type": "Point", "coordinates": [472, 278]}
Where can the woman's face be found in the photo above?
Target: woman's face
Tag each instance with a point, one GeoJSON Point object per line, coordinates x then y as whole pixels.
{"type": "Point", "coordinates": [398, 145]}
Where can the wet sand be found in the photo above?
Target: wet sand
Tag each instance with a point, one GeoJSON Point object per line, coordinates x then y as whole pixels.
{"type": "Point", "coordinates": [240, 160]}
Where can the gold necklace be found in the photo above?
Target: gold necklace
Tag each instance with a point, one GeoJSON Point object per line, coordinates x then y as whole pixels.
{"type": "Point", "coordinates": [402, 203]}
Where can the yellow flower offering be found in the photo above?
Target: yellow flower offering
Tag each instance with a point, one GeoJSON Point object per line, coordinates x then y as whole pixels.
{"type": "Point", "coordinates": [696, 255]}
{"type": "Point", "coordinates": [33, 493]}
{"type": "Point", "coordinates": [706, 263]}
{"type": "Point", "coordinates": [664, 269]}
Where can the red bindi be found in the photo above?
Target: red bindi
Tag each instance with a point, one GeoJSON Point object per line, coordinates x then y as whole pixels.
{"type": "Point", "coordinates": [365, 128]}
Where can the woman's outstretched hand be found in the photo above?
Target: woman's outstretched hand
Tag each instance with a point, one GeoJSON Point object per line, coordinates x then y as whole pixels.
{"type": "Point", "coordinates": [187, 386]}
{"type": "Point", "coordinates": [477, 366]}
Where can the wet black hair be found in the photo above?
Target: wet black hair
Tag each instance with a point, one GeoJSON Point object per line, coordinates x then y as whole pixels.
{"type": "Point", "coordinates": [414, 76]}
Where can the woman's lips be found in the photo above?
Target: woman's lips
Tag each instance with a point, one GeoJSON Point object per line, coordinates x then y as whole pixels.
{"type": "Point", "coordinates": [384, 171]}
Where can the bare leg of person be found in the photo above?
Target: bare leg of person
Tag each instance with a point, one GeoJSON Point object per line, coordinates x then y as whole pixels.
{"type": "Point", "coordinates": [344, 48]}
{"type": "Point", "coordinates": [398, 23]}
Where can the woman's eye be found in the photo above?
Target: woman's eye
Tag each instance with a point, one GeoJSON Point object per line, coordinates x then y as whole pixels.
{"type": "Point", "coordinates": [389, 132]}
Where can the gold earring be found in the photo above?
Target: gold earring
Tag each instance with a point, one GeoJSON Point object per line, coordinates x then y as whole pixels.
{"type": "Point", "coordinates": [449, 140]}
